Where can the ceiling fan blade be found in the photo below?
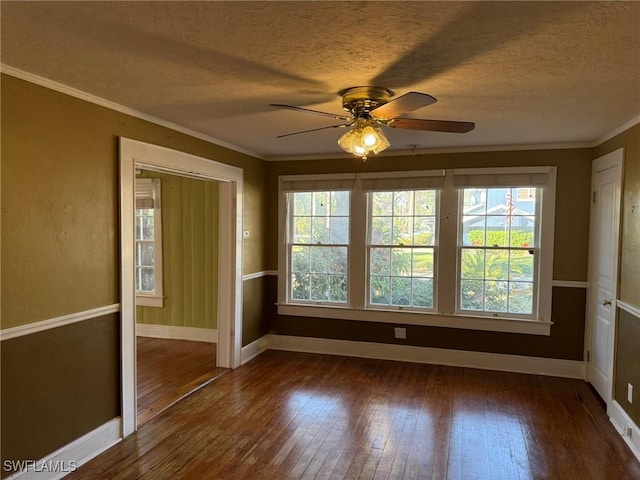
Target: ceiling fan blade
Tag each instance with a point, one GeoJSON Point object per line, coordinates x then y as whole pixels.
{"type": "Point", "coordinates": [308, 110]}
{"type": "Point", "coordinates": [432, 125]}
{"type": "Point", "coordinates": [314, 130]}
{"type": "Point", "coordinates": [403, 104]}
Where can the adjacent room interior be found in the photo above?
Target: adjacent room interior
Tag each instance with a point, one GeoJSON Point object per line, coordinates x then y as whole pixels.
{"type": "Point", "coordinates": [176, 288]}
{"type": "Point", "coordinates": [320, 240]}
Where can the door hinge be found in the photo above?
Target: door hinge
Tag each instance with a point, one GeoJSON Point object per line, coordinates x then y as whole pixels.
{"type": "Point", "coordinates": [594, 197]}
{"type": "Point", "coordinates": [588, 355]}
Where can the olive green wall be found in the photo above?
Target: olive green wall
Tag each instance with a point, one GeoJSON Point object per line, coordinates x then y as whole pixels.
{"type": "Point", "coordinates": [190, 253]}
{"type": "Point", "coordinates": [59, 204]}
{"type": "Point", "coordinates": [59, 256]}
{"type": "Point", "coordinates": [627, 361]}
{"type": "Point", "coordinates": [629, 286]}
{"type": "Point", "coordinates": [60, 200]}
{"type": "Point", "coordinates": [570, 255]}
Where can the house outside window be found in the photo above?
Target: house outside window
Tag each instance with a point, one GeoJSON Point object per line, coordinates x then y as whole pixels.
{"type": "Point", "coordinates": [148, 238]}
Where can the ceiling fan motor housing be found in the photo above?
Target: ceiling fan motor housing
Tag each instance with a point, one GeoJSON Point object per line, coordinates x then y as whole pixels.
{"type": "Point", "coordinates": [359, 101]}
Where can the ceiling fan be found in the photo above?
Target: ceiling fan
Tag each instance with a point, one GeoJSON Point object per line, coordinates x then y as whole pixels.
{"type": "Point", "coordinates": [370, 108]}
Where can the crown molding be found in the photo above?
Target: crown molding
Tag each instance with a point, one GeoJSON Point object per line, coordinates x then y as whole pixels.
{"type": "Point", "coordinates": [74, 92]}
{"type": "Point", "coordinates": [103, 102]}
{"type": "Point", "coordinates": [622, 128]}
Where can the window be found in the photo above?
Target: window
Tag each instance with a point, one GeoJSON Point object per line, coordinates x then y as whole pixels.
{"type": "Point", "coordinates": [401, 248]}
{"type": "Point", "coordinates": [319, 246]}
{"type": "Point", "coordinates": [462, 248]}
{"type": "Point", "coordinates": [148, 250]}
{"type": "Point", "coordinates": [498, 254]}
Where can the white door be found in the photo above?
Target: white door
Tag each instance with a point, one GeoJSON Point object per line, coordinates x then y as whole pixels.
{"type": "Point", "coordinates": [606, 180]}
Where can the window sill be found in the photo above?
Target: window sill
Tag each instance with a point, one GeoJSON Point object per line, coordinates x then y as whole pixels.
{"type": "Point", "coordinates": [149, 301]}
{"type": "Point", "coordinates": [509, 325]}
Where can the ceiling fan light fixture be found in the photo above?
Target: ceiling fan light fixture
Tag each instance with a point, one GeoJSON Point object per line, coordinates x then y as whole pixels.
{"type": "Point", "coordinates": [364, 139]}
{"type": "Point", "coordinates": [369, 137]}
{"type": "Point", "coordinates": [382, 144]}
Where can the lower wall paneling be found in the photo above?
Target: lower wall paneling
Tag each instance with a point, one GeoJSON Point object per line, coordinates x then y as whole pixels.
{"type": "Point", "coordinates": [437, 356]}
{"type": "Point", "coordinates": [258, 307]}
{"type": "Point", "coordinates": [58, 385]}
{"type": "Point", "coordinates": [566, 341]}
{"type": "Point", "coordinates": [627, 363]}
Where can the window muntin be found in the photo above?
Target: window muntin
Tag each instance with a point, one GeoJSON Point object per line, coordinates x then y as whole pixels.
{"type": "Point", "coordinates": [318, 253]}
{"type": "Point", "coordinates": [498, 254]}
{"type": "Point", "coordinates": [401, 250]}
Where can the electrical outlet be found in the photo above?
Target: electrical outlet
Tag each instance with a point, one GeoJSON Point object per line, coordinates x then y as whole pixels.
{"type": "Point", "coordinates": [630, 393]}
{"type": "Point", "coordinates": [400, 332]}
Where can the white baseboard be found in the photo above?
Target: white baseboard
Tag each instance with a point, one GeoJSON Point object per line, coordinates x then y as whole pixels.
{"type": "Point", "coordinates": [208, 335]}
{"type": "Point", "coordinates": [71, 456]}
{"type": "Point", "coordinates": [254, 349]}
{"type": "Point", "coordinates": [440, 356]}
{"type": "Point", "coordinates": [620, 421]}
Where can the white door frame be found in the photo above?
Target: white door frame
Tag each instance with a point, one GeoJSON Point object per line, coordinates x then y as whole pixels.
{"type": "Point", "coordinates": [135, 154]}
{"type": "Point", "coordinates": [605, 162]}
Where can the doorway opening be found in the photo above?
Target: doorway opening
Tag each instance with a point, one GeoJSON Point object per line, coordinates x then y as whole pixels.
{"type": "Point", "coordinates": [135, 155]}
{"type": "Point", "coordinates": [176, 276]}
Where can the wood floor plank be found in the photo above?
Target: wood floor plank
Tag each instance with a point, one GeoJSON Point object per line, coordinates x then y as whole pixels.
{"type": "Point", "coordinates": [167, 370]}
{"type": "Point", "coordinates": [303, 416]}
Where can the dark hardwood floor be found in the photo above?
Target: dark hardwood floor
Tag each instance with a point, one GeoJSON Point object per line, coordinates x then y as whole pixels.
{"type": "Point", "coordinates": [168, 370]}
{"type": "Point", "coordinates": [303, 416]}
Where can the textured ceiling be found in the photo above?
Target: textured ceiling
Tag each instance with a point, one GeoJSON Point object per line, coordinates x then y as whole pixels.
{"type": "Point", "coordinates": [524, 72]}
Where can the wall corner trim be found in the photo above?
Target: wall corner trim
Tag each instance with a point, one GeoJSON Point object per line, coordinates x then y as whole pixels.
{"type": "Point", "coordinates": [255, 348]}
{"type": "Point", "coordinates": [77, 453]}
{"type": "Point", "coordinates": [620, 420]}
{"type": "Point", "coordinates": [552, 367]}
{"type": "Point", "coordinates": [29, 328]}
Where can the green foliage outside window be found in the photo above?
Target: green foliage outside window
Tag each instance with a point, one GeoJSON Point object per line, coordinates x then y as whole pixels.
{"type": "Point", "coordinates": [500, 279]}
{"type": "Point", "coordinates": [518, 238]}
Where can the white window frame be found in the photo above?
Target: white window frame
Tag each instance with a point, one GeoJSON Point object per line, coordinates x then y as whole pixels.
{"type": "Point", "coordinates": [291, 245]}
{"type": "Point", "coordinates": [368, 304]}
{"type": "Point", "coordinates": [446, 290]}
{"type": "Point", "coordinates": [143, 187]}
{"type": "Point", "coordinates": [306, 183]}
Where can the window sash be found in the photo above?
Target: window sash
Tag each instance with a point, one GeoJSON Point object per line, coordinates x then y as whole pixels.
{"type": "Point", "coordinates": [147, 196]}
{"type": "Point", "coordinates": [535, 250]}
{"type": "Point", "coordinates": [412, 281]}
{"type": "Point", "coordinates": [291, 245]}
